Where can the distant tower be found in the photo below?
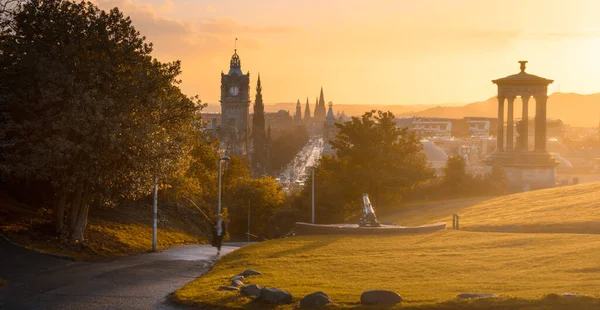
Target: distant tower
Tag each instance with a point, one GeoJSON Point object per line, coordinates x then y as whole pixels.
{"type": "Point", "coordinates": [329, 122]}
{"type": "Point", "coordinates": [298, 115]}
{"type": "Point", "coordinates": [307, 112]}
{"type": "Point", "coordinates": [329, 131]}
{"type": "Point", "coordinates": [259, 156]}
{"type": "Point", "coordinates": [319, 115]}
{"type": "Point", "coordinates": [235, 103]}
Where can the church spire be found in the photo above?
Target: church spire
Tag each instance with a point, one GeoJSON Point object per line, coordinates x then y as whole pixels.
{"type": "Point", "coordinates": [321, 99]}
{"type": "Point", "coordinates": [258, 90]}
{"type": "Point", "coordinates": [259, 157]}
{"type": "Point", "coordinates": [307, 112]}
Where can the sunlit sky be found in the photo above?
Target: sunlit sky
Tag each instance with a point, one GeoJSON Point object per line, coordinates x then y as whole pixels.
{"type": "Point", "coordinates": [377, 51]}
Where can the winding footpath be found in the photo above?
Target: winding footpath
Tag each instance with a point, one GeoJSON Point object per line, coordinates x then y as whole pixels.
{"type": "Point", "coordinates": [39, 281]}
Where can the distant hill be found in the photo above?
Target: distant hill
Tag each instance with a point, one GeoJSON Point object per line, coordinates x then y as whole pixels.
{"type": "Point", "coordinates": [574, 109]}
{"type": "Point", "coordinates": [349, 109]}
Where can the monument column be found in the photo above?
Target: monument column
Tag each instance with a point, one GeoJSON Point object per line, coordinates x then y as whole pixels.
{"type": "Point", "coordinates": [540, 123]}
{"type": "Point", "coordinates": [510, 124]}
{"type": "Point", "coordinates": [525, 122]}
{"type": "Point", "coordinates": [500, 126]}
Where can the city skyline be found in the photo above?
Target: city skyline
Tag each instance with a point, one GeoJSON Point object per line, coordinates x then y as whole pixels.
{"type": "Point", "coordinates": [385, 52]}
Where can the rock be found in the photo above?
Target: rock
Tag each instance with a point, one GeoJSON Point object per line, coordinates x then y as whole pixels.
{"type": "Point", "coordinates": [380, 297]}
{"type": "Point", "coordinates": [227, 288]}
{"type": "Point", "coordinates": [250, 272]}
{"type": "Point", "coordinates": [315, 300]}
{"type": "Point", "coordinates": [274, 296]}
{"type": "Point", "coordinates": [251, 290]}
{"type": "Point", "coordinates": [237, 283]}
{"type": "Point", "coordinates": [471, 296]}
{"type": "Point", "coordinates": [239, 278]}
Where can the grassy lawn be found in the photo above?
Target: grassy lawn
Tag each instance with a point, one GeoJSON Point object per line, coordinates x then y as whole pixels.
{"type": "Point", "coordinates": [428, 271]}
{"type": "Point", "coordinates": [572, 209]}
{"type": "Point", "coordinates": [110, 233]}
{"type": "Point", "coordinates": [421, 213]}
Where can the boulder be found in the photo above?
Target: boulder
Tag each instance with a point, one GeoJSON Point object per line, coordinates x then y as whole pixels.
{"type": "Point", "coordinates": [315, 300]}
{"type": "Point", "coordinates": [250, 272]}
{"type": "Point", "coordinates": [227, 288]}
{"type": "Point", "coordinates": [274, 296]}
{"type": "Point", "coordinates": [471, 296]}
{"type": "Point", "coordinates": [380, 297]}
{"type": "Point", "coordinates": [237, 283]}
{"type": "Point", "coordinates": [239, 278]}
{"type": "Point", "coordinates": [251, 290]}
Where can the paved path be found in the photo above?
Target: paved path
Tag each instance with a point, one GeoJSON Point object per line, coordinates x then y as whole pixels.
{"type": "Point", "coordinates": [38, 281]}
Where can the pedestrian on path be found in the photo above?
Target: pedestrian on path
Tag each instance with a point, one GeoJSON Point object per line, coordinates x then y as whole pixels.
{"type": "Point", "coordinates": [219, 231]}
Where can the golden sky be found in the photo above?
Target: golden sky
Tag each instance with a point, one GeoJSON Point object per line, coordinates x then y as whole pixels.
{"type": "Point", "coordinates": [376, 51]}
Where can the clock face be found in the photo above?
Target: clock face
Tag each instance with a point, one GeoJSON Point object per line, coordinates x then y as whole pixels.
{"type": "Point", "coordinates": [234, 90]}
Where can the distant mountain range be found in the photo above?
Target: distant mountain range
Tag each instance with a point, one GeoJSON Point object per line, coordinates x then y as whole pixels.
{"type": "Point", "coordinates": [573, 109]}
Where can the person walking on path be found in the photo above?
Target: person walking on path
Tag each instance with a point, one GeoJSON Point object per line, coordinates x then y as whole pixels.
{"type": "Point", "coordinates": [219, 231]}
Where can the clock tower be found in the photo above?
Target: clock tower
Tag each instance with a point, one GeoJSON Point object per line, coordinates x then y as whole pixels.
{"type": "Point", "coordinates": [235, 103]}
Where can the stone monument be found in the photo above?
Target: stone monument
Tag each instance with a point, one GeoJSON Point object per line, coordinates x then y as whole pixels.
{"type": "Point", "coordinates": [525, 168]}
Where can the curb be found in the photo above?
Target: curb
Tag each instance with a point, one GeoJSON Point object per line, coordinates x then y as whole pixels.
{"type": "Point", "coordinates": [65, 257]}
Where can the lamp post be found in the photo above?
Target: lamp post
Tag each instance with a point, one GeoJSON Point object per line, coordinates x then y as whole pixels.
{"type": "Point", "coordinates": [249, 196]}
{"type": "Point", "coordinates": [224, 158]}
{"type": "Point", "coordinates": [312, 168]}
{"type": "Point", "coordinates": [155, 218]}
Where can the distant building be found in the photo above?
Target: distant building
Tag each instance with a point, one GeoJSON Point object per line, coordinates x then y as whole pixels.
{"type": "Point", "coordinates": [212, 122]}
{"type": "Point", "coordinates": [235, 130]}
{"type": "Point", "coordinates": [329, 131]}
{"type": "Point", "coordinates": [279, 120]}
{"type": "Point", "coordinates": [298, 115]}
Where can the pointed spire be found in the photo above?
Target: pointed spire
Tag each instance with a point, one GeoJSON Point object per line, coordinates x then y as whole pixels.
{"type": "Point", "coordinates": [307, 112]}
{"type": "Point", "coordinates": [258, 86]}
{"type": "Point", "coordinates": [321, 99]}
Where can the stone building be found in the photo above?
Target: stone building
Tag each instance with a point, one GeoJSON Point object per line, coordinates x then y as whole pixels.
{"type": "Point", "coordinates": [235, 129]}
{"type": "Point", "coordinates": [525, 168]}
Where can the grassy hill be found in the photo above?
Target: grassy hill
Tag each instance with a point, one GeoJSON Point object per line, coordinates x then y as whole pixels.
{"type": "Point", "coordinates": [111, 232]}
{"type": "Point", "coordinates": [426, 270]}
{"type": "Point", "coordinates": [527, 270]}
{"type": "Point", "coordinates": [572, 209]}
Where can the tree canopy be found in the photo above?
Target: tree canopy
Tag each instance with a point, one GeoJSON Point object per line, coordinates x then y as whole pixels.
{"type": "Point", "coordinates": [86, 107]}
{"type": "Point", "coordinates": [373, 156]}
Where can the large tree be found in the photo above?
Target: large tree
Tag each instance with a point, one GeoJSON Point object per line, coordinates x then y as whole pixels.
{"type": "Point", "coordinates": [373, 156]}
{"type": "Point", "coordinates": [87, 108]}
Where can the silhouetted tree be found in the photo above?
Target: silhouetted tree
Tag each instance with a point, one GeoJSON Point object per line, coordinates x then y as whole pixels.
{"type": "Point", "coordinates": [86, 108]}
{"type": "Point", "coordinates": [372, 156]}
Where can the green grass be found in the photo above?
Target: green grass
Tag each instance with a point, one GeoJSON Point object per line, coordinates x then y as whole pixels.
{"type": "Point", "coordinates": [421, 213]}
{"type": "Point", "coordinates": [572, 209]}
{"type": "Point", "coordinates": [110, 232]}
{"type": "Point", "coordinates": [426, 270]}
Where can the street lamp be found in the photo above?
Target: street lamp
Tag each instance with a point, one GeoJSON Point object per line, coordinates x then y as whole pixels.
{"type": "Point", "coordinates": [312, 168]}
{"type": "Point", "coordinates": [224, 158]}
{"type": "Point", "coordinates": [249, 196]}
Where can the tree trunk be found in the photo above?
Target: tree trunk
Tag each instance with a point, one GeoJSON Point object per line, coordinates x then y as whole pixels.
{"type": "Point", "coordinates": [75, 207]}
{"type": "Point", "coordinates": [80, 225]}
{"type": "Point", "coordinates": [81, 219]}
{"type": "Point", "coordinates": [59, 212]}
